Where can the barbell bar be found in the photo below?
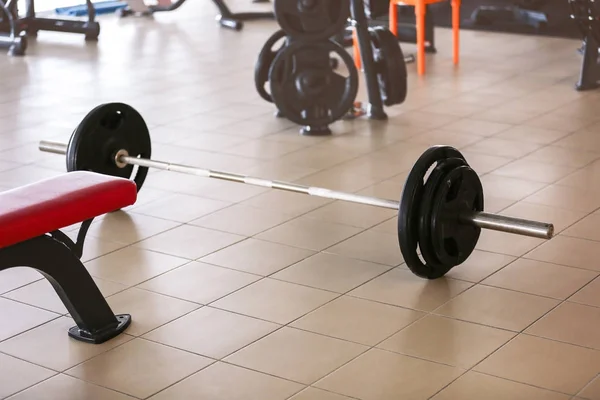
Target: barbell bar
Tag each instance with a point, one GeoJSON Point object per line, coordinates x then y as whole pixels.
{"type": "Point", "coordinates": [479, 219]}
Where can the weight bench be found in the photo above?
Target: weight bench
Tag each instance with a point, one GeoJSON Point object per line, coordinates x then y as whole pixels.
{"type": "Point", "coordinates": [31, 219]}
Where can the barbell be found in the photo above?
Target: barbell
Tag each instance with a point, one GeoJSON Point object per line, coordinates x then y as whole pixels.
{"type": "Point", "coordinates": [440, 213]}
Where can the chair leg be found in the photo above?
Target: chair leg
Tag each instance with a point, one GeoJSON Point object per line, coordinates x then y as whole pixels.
{"type": "Point", "coordinates": [420, 10]}
{"type": "Point", "coordinates": [356, 50]}
{"type": "Point", "coordinates": [393, 17]}
{"type": "Point", "coordinates": [455, 31]}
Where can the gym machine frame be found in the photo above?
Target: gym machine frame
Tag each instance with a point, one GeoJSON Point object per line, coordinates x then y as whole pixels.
{"type": "Point", "coordinates": [31, 24]}
{"type": "Point", "coordinates": [231, 20]}
{"type": "Point", "coordinates": [480, 219]}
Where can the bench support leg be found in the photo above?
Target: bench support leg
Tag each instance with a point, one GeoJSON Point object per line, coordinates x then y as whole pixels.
{"type": "Point", "coordinates": [96, 323]}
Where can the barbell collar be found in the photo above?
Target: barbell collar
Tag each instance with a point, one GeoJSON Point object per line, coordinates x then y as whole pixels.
{"type": "Point", "coordinates": [482, 220]}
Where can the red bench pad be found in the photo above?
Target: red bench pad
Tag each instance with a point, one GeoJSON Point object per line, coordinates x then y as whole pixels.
{"type": "Point", "coordinates": [52, 204]}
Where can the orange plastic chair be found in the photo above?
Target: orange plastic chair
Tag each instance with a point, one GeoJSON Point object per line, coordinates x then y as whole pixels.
{"type": "Point", "coordinates": [420, 9]}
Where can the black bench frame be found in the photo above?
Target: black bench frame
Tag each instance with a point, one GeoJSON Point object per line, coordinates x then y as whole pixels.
{"type": "Point", "coordinates": [58, 259]}
{"type": "Point", "coordinates": [12, 25]}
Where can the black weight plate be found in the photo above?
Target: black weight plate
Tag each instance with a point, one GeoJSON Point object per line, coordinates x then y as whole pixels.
{"type": "Point", "coordinates": [390, 65]}
{"type": "Point", "coordinates": [263, 64]}
{"type": "Point", "coordinates": [104, 131]}
{"type": "Point", "coordinates": [410, 209]}
{"type": "Point", "coordinates": [460, 192]}
{"type": "Point", "coordinates": [432, 185]}
{"type": "Point", "coordinates": [312, 20]}
{"type": "Point", "coordinates": [305, 87]}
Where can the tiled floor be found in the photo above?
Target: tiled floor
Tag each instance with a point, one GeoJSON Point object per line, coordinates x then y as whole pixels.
{"type": "Point", "coordinates": [239, 292]}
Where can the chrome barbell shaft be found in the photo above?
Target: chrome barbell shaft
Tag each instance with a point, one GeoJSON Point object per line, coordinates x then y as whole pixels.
{"type": "Point", "coordinates": [481, 219]}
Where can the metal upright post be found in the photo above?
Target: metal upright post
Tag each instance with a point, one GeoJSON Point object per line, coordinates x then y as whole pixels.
{"type": "Point", "coordinates": [375, 109]}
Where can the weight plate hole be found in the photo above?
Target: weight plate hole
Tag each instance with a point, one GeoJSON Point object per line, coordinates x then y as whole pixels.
{"type": "Point", "coordinates": [451, 247]}
{"type": "Point", "coordinates": [453, 191]}
{"type": "Point", "coordinates": [112, 121]}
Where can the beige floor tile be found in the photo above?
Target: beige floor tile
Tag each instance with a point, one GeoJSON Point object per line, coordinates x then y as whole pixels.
{"type": "Point", "coordinates": [479, 265]}
{"type": "Point", "coordinates": [181, 207]}
{"type": "Point", "coordinates": [509, 188]}
{"type": "Point", "coordinates": [308, 233]}
{"type": "Point", "coordinates": [199, 282]}
{"type": "Point", "coordinates": [474, 385]}
{"type": "Point", "coordinates": [542, 279]}
{"type": "Point", "coordinates": [148, 310]}
{"type": "Point", "coordinates": [296, 355]}
{"type": "Point", "coordinates": [42, 294]}
{"type": "Point", "coordinates": [586, 228]}
{"type": "Point", "coordinates": [503, 148]}
{"type": "Point", "coordinates": [582, 178]}
{"type": "Point", "coordinates": [139, 368]}
{"type": "Point", "coordinates": [189, 242]}
{"type": "Point", "coordinates": [573, 252]}
{"type": "Point", "coordinates": [563, 156]}
{"type": "Point", "coordinates": [95, 248]}
{"type": "Point", "coordinates": [590, 294]}
{"type": "Point", "coordinates": [477, 127]}
{"type": "Point", "coordinates": [211, 332]}
{"type": "Point", "coordinates": [357, 215]}
{"type": "Point", "coordinates": [228, 382]}
{"type": "Point", "coordinates": [64, 387]}
{"type": "Point", "coordinates": [22, 317]}
{"type": "Point", "coordinates": [531, 134]}
{"type": "Point", "coordinates": [571, 323]}
{"type": "Point", "coordinates": [591, 391]}
{"type": "Point", "coordinates": [14, 278]}
{"type": "Point", "coordinates": [131, 265]}
{"type": "Point", "coordinates": [257, 256]}
{"type": "Point", "coordinates": [129, 227]}
{"type": "Point", "coordinates": [242, 220]}
{"type": "Point", "coordinates": [264, 149]}
{"type": "Point", "coordinates": [16, 375]}
{"type": "Point", "coordinates": [543, 363]}
{"type": "Point", "coordinates": [506, 243]}
{"type": "Point", "coordinates": [575, 199]}
{"type": "Point", "coordinates": [373, 246]}
{"type": "Point", "coordinates": [558, 122]}
{"type": "Point", "coordinates": [434, 137]}
{"type": "Point", "coordinates": [382, 375]}
{"type": "Point", "coordinates": [311, 393]}
{"type": "Point", "coordinates": [331, 272]}
{"type": "Point", "coordinates": [402, 288]}
{"type": "Point", "coordinates": [484, 163]}
{"type": "Point", "coordinates": [582, 140]}
{"type": "Point", "coordinates": [275, 301]}
{"type": "Point", "coordinates": [293, 204]}
{"type": "Point", "coordinates": [534, 171]}
{"type": "Point", "coordinates": [50, 346]}
{"type": "Point", "coordinates": [498, 308]}
{"type": "Point", "coordinates": [447, 341]}
{"type": "Point", "coordinates": [361, 321]}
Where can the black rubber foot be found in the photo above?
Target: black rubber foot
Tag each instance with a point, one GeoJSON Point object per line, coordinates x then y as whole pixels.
{"type": "Point", "coordinates": [430, 50]}
{"type": "Point", "coordinates": [315, 131]}
{"type": "Point", "coordinates": [279, 114]}
{"type": "Point", "coordinates": [378, 115]}
{"type": "Point", "coordinates": [589, 86]}
{"type": "Point", "coordinates": [102, 335]}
